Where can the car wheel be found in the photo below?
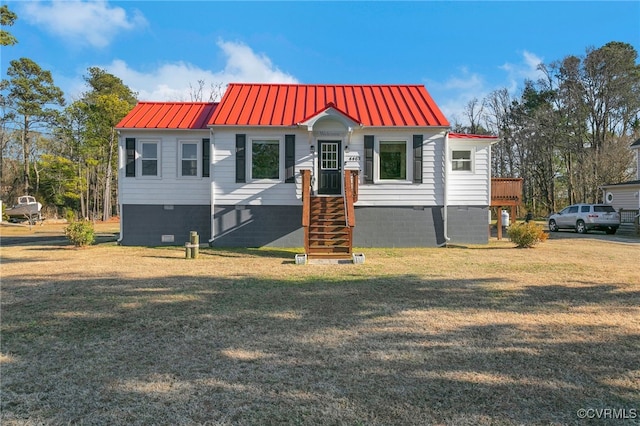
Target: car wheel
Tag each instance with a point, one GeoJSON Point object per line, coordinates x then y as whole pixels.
{"type": "Point", "coordinates": [581, 228]}
{"type": "Point", "coordinates": [611, 231]}
{"type": "Point", "coordinates": [553, 226]}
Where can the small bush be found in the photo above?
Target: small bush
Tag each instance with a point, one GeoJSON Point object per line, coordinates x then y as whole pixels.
{"type": "Point", "coordinates": [80, 233]}
{"type": "Point", "coordinates": [70, 215]}
{"type": "Point", "coordinates": [526, 234]}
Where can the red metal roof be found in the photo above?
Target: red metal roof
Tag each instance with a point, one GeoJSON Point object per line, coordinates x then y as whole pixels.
{"type": "Point", "coordinates": [168, 115]}
{"type": "Point", "coordinates": [470, 136]}
{"type": "Point", "coordinates": [290, 104]}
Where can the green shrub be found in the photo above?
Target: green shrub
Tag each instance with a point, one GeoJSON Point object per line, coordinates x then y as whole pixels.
{"type": "Point", "coordinates": [80, 233]}
{"type": "Point", "coordinates": [526, 234]}
{"type": "Point", "coordinates": [70, 215]}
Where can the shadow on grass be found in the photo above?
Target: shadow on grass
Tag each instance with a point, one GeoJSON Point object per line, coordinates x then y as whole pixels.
{"type": "Point", "coordinates": [393, 350]}
{"type": "Point", "coordinates": [511, 246]}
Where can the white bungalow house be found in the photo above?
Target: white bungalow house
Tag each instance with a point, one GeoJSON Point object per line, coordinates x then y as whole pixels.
{"type": "Point", "coordinates": [625, 196]}
{"type": "Point", "coordinates": [324, 166]}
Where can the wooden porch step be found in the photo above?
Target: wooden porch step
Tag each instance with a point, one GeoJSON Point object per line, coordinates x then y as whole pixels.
{"type": "Point", "coordinates": [328, 226]}
{"type": "Point", "coordinates": [327, 209]}
{"type": "Point", "coordinates": [330, 234]}
{"type": "Point", "coordinates": [328, 250]}
{"type": "Point", "coordinates": [329, 242]}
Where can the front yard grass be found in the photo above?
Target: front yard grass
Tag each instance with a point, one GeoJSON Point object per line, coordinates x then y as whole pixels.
{"type": "Point", "coordinates": [460, 335]}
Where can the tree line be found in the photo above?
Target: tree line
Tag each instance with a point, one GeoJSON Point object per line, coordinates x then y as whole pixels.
{"type": "Point", "coordinates": [569, 132]}
{"type": "Point", "coordinates": [64, 153]}
{"type": "Point", "coordinates": [565, 134]}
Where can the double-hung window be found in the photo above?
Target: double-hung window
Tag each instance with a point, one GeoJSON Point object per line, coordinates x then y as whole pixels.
{"type": "Point", "coordinates": [461, 161]}
{"type": "Point", "coordinates": [149, 158]}
{"type": "Point", "coordinates": [393, 160]}
{"type": "Point", "coordinates": [189, 158]}
{"type": "Point", "coordinates": [266, 159]}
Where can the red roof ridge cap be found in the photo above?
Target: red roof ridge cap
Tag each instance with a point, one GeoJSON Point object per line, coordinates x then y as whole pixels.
{"type": "Point", "coordinates": [330, 84]}
{"type": "Point", "coordinates": [178, 102]}
{"type": "Point", "coordinates": [471, 136]}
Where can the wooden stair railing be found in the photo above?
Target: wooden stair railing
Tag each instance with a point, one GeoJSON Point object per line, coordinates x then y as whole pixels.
{"type": "Point", "coordinates": [505, 192]}
{"type": "Point", "coordinates": [306, 206]}
{"type": "Point", "coordinates": [350, 193]}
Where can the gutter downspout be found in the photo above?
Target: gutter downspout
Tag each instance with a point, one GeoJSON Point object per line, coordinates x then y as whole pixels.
{"type": "Point", "coordinates": [445, 215]}
{"type": "Point", "coordinates": [211, 189]}
{"type": "Point", "coordinates": [121, 152]}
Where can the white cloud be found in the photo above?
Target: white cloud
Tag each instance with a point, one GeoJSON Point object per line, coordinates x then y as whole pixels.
{"type": "Point", "coordinates": [454, 94]}
{"type": "Point", "coordinates": [93, 23]}
{"type": "Point", "coordinates": [525, 70]}
{"type": "Point", "coordinates": [243, 65]}
{"type": "Point", "coordinates": [176, 81]}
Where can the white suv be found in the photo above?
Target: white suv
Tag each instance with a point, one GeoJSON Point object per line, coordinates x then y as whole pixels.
{"type": "Point", "coordinates": [586, 217]}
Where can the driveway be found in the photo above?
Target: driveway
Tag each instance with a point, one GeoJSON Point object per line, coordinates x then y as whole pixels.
{"type": "Point", "coordinates": [625, 235]}
{"type": "Point", "coordinates": [622, 236]}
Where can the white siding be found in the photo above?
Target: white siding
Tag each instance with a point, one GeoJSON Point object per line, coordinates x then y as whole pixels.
{"type": "Point", "coordinates": [428, 193]}
{"type": "Point", "coordinates": [228, 192]}
{"type": "Point", "coordinates": [168, 188]}
{"type": "Point", "coordinates": [470, 188]}
{"type": "Point", "coordinates": [624, 196]}
{"type": "Point", "coordinates": [465, 188]}
{"type": "Point", "coordinates": [225, 189]}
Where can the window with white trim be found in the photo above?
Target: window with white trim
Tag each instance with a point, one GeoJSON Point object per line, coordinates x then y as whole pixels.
{"type": "Point", "coordinates": [461, 160]}
{"type": "Point", "coordinates": [266, 159]}
{"type": "Point", "coordinates": [189, 158]}
{"type": "Point", "coordinates": [392, 160]}
{"type": "Point", "coordinates": [149, 158]}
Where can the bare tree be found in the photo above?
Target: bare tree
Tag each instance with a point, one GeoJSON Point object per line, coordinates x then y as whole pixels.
{"type": "Point", "coordinates": [214, 92]}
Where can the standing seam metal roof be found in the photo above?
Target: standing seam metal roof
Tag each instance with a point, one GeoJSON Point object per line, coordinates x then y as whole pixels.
{"type": "Point", "coordinates": [290, 104]}
{"type": "Point", "coordinates": [168, 115]}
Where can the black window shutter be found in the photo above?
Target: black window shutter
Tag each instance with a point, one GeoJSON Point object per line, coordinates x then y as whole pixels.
{"type": "Point", "coordinates": [368, 159]}
{"type": "Point", "coordinates": [289, 158]}
{"type": "Point", "coordinates": [241, 158]}
{"type": "Point", "coordinates": [205, 157]}
{"type": "Point", "coordinates": [417, 158]}
{"type": "Point", "coordinates": [130, 170]}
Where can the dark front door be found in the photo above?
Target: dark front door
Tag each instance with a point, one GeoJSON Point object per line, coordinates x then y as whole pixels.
{"type": "Point", "coordinates": [330, 154]}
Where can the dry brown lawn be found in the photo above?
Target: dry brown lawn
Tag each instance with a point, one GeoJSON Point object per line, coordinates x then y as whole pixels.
{"type": "Point", "coordinates": [461, 335]}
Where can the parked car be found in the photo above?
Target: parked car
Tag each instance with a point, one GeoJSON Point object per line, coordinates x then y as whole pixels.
{"type": "Point", "coordinates": [586, 217]}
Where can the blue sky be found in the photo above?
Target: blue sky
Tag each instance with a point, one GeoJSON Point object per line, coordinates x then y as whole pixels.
{"type": "Point", "coordinates": [458, 50]}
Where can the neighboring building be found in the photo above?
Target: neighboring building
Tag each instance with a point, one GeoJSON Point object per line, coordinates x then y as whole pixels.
{"type": "Point", "coordinates": [243, 172]}
{"type": "Point", "coordinates": [625, 196]}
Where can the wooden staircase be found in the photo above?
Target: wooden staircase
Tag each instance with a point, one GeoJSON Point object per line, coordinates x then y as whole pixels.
{"type": "Point", "coordinates": [329, 236]}
{"type": "Point", "coordinates": [328, 221]}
